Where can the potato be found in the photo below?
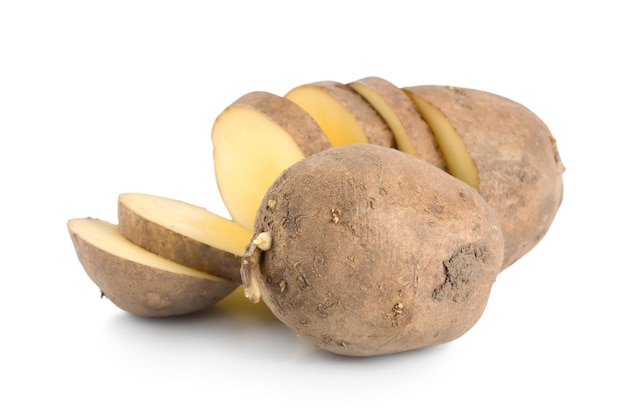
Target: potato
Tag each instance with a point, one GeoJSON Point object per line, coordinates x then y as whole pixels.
{"type": "Point", "coordinates": [187, 234]}
{"type": "Point", "coordinates": [458, 160]}
{"type": "Point", "coordinates": [505, 151]}
{"type": "Point", "coordinates": [411, 133]}
{"type": "Point", "coordinates": [364, 250]}
{"type": "Point", "coordinates": [254, 139]}
{"type": "Point", "coordinates": [138, 281]}
{"type": "Point", "coordinates": [343, 114]}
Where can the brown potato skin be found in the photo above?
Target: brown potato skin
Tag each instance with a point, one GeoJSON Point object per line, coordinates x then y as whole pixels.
{"type": "Point", "coordinates": [177, 247]}
{"type": "Point", "coordinates": [363, 263]}
{"type": "Point", "coordinates": [146, 291]}
{"type": "Point", "coordinates": [520, 171]}
{"type": "Point", "coordinates": [374, 126]}
{"type": "Point", "coordinates": [292, 118]}
{"type": "Point", "coordinates": [420, 135]}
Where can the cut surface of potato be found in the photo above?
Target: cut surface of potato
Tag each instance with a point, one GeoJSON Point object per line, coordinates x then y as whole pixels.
{"type": "Point", "coordinates": [411, 132]}
{"type": "Point", "coordinates": [184, 233]}
{"type": "Point", "coordinates": [254, 140]}
{"type": "Point", "coordinates": [343, 114]}
{"type": "Point", "coordinates": [458, 160]}
{"type": "Point", "coordinates": [137, 280]}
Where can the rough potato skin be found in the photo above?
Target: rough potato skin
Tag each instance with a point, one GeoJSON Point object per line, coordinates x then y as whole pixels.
{"type": "Point", "coordinates": [146, 291]}
{"type": "Point", "coordinates": [177, 247]}
{"type": "Point", "coordinates": [292, 118]}
{"type": "Point", "coordinates": [375, 251]}
{"type": "Point", "coordinates": [418, 131]}
{"type": "Point", "coordinates": [520, 171]}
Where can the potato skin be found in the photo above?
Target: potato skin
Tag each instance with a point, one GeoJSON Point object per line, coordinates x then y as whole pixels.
{"type": "Point", "coordinates": [519, 167]}
{"type": "Point", "coordinates": [146, 291]}
{"type": "Point", "coordinates": [375, 251]}
{"type": "Point", "coordinates": [177, 247]}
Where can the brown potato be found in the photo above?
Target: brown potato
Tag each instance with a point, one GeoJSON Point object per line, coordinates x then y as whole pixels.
{"type": "Point", "coordinates": [254, 139]}
{"type": "Point", "coordinates": [138, 281]}
{"type": "Point", "coordinates": [361, 262]}
{"type": "Point", "coordinates": [411, 133]}
{"type": "Point", "coordinates": [187, 234]}
{"type": "Point", "coordinates": [517, 165]}
{"type": "Point", "coordinates": [342, 113]}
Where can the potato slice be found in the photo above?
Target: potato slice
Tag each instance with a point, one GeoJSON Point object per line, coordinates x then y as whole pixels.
{"type": "Point", "coordinates": [458, 160]}
{"type": "Point", "coordinates": [344, 115]}
{"type": "Point", "coordinates": [411, 132]}
{"type": "Point", "coordinates": [254, 140]}
{"type": "Point", "coordinates": [138, 281]}
{"type": "Point", "coordinates": [516, 158]}
{"type": "Point", "coordinates": [184, 233]}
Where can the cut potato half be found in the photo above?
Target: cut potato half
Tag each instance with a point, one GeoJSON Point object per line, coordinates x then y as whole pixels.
{"type": "Point", "coordinates": [187, 234]}
{"type": "Point", "coordinates": [458, 160]}
{"type": "Point", "coordinates": [254, 140]}
{"type": "Point", "coordinates": [342, 113]}
{"type": "Point", "coordinates": [411, 132]}
{"type": "Point", "coordinates": [137, 280]}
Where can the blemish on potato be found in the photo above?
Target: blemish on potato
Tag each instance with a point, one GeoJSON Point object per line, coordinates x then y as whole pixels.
{"type": "Point", "coordinates": [436, 206]}
{"type": "Point", "coordinates": [324, 307]}
{"type": "Point", "coordinates": [460, 269]}
{"type": "Point", "coordinates": [302, 282]}
{"type": "Point", "coordinates": [271, 203]}
{"type": "Point", "coordinates": [398, 308]}
{"type": "Point", "coordinates": [335, 213]}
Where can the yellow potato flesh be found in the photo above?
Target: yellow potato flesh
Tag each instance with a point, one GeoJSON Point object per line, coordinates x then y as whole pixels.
{"type": "Point", "coordinates": [250, 151]}
{"type": "Point", "coordinates": [388, 113]}
{"type": "Point", "coordinates": [106, 237]}
{"type": "Point", "coordinates": [189, 220]}
{"type": "Point", "coordinates": [458, 159]}
{"type": "Point", "coordinates": [336, 121]}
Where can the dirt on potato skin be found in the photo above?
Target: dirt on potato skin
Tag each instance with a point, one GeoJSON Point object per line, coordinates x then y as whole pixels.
{"type": "Point", "coordinates": [357, 253]}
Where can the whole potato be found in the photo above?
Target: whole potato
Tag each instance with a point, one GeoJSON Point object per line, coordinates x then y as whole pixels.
{"type": "Point", "coordinates": [372, 251]}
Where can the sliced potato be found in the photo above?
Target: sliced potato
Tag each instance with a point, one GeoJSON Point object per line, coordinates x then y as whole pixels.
{"type": "Point", "coordinates": [184, 233]}
{"type": "Point", "coordinates": [517, 162]}
{"type": "Point", "coordinates": [344, 115]}
{"type": "Point", "coordinates": [411, 132]}
{"type": "Point", "coordinates": [254, 140]}
{"type": "Point", "coordinates": [138, 281]}
{"type": "Point", "coordinates": [457, 158]}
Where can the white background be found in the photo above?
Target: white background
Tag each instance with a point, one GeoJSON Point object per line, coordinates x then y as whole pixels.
{"type": "Point", "coordinates": [100, 98]}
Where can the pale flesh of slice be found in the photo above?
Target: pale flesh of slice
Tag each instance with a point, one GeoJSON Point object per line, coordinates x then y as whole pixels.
{"type": "Point", "coordinates": [184, 233]}
{"type": "Point", "coordinates": [344, 115]}
{"type": "Point", "coordinates": [254, 140]}
{"type": "Point", "coordinates": [458, 160]}
{"type": "Point", "coordinates": [137, 280]}
{"type": "Point", "coordinates": [411, 132]}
